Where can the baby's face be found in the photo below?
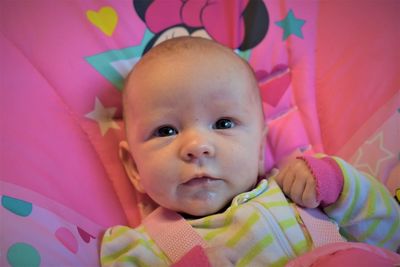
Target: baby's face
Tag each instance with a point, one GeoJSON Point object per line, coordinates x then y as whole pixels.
{"type": "Point", "coordinates": [195, 132]}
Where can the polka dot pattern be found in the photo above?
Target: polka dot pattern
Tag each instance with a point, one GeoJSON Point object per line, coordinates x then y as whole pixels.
{"type": "Point", "coordinates": [22, 255]}
{"type": "Point", "coordinates": [25, 253]}
{"type": "Point", "coordinates": [67, 239]}
{"type": "Point", "coordinates": [17, 206]}
{"type": "Point", "coordinates": [34, 236]}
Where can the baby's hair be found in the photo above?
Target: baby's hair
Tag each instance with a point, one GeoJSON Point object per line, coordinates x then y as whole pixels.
{"type": "Point", "coordinates": [187, 44]}
{"type": "Point", "coordinates": [181, 45]}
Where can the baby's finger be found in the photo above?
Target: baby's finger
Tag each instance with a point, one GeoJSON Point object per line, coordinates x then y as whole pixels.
{"type": "Point", "coordinates": [279, 177]}
{"type": "Point", "coordinates": [288, 181]}
{"type": "Point", "coordinates": [297, 190]}
{"type": "Point", "coordinates": [309, 197]}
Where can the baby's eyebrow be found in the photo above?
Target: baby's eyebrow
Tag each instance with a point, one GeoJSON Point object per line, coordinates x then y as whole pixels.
{"type": "Point", "coordinates": [227, 102]}
{"type": "Point", "coordinates": [154, 117]}
{"type": "Point", "coordinates": [218, 94]}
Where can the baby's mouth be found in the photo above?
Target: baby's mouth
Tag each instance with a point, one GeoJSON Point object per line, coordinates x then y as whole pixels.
{"type": "Point", "coordinates": [201, 181]}
{"type": "Point", "coordinates": [201, 187]}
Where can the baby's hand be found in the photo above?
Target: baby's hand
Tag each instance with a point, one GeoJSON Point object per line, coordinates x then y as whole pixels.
{"type": "Point", "coordinates": [298, 183]}
{"type": "Point", "coordinates": [220, 256]}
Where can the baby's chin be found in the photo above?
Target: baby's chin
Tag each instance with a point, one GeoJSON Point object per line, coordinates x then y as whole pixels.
{"type": "Point", "coordinates": [203, 212]}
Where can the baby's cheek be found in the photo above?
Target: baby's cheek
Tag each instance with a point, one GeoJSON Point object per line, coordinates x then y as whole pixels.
{"type": "Point", "coordinates": [244, 170]}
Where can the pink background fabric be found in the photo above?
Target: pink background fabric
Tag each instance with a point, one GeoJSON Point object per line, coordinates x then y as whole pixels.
{"type": "Point", "coordinates": [334, 88]}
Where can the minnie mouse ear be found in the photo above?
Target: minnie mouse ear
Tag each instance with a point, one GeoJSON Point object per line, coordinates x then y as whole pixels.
{"type": "Point", "coordinates": [256, 23]}
{"type": "Point", "coordinates": [141, 6]}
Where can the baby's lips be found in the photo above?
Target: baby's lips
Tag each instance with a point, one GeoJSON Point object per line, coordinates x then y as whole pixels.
{"type": "Point", "coordinates": [200, 180]}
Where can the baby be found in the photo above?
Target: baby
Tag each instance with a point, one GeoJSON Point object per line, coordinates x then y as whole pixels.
{"type": "Point", "coordinates": [195, 136]}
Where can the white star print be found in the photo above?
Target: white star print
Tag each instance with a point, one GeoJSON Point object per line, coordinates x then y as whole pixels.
{"type": "Point", "coordinates": [362, 158]}
{"type": "Point", "coordinates": [103, 116]}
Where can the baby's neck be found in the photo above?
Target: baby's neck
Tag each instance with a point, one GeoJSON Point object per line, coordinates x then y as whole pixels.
{"type": "Point", "coordinates": [194, 217]}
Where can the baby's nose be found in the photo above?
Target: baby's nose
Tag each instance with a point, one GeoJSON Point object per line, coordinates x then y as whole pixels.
{"type": "Point", "coordinates": [197, 148]}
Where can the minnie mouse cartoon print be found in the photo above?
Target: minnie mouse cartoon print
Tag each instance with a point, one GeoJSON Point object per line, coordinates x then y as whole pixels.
{"type": "Point", "coordinates": [236, 24]}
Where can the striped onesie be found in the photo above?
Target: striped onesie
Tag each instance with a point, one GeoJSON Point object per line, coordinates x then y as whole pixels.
{"type": "Point", "coordinates": [264, 228]}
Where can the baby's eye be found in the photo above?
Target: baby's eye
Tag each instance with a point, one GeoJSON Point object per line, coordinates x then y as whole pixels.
{"type": "Point", "coordinates": [224, 124]}
{"type": "Point", "coordinates": [164, 131]}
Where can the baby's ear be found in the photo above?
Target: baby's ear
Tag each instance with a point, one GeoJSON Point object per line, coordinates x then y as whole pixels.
{"type": "Point", "coordinates": [130, 166]}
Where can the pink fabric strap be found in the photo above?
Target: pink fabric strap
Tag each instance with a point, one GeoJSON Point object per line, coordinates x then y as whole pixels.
{"type": "Point", "coordinates": [328, 176]}
{"type": "Point", "coordinates": [321, 229]}
{"type": "Point", "coordinates": [196, 257]}
{"type": "Point", "coordinates": [173, 235]}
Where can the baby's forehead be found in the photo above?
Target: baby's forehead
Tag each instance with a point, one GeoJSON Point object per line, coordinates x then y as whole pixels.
{"type": "Point", "coordinates": [191, 52]}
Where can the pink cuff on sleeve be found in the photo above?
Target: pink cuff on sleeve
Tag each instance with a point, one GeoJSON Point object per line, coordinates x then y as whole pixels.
{"type": "Point", "coordinates": [196, 257]}
{"type": "Point", "coordinates": [328, 176]}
